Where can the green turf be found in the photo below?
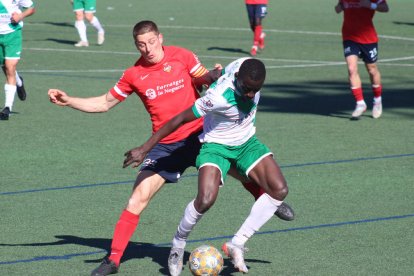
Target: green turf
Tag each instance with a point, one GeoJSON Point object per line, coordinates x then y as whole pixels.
{"type": "Point", "coordinates": [351, 182]}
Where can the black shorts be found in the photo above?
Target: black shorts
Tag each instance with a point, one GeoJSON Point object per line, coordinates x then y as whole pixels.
{"type": "Point", "coordinates": [256, 11]}
{"type": "Point", "coordinates": [367, 52]}
{"type": "Point", "coordinates": [171, 160]}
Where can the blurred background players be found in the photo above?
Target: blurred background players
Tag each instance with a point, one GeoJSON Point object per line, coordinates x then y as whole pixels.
{"type": "Point", "coordinates": [87, 9]}
{"type": "Point", "coordinates": [12, 13]}
{"type": "Point", "coordinates": [256, 11]}
{"type": "Point", "coordinates": [360, 40]}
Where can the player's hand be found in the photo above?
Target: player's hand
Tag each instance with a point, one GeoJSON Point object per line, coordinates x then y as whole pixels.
{"type": "Point", "coordinates": [58, 97]}
{"type": "Point", "coordinates": [218, 66]}
{"type": "Point", "coordinates": [134, 157]}
{"type": "Point", "coordinates": [16, 17]}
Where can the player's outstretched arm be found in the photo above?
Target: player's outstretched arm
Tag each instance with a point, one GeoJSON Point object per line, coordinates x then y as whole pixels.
{"type": "Point", "coordinates": [93, 105]}
{"type": "Point", "coordinates": [136, 155]}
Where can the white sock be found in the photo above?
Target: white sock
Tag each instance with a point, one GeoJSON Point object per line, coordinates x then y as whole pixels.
{"type": "Point", "coordinates": [377, 99]}
{"type": "Point", "coordinates": [81, 27]}
{"type": "Point", "coordinates": [18, 80]}
{"type": "Point", "coordinates": [10, 91]}
{"type": "Point", "coordinates": [263, 210]}
{"type": "Point", "coordinates": [97, 25]}
{"type": "Point", "coordinates": [361, 102]}
{"type": "Point", "coordinates": [187, 223]}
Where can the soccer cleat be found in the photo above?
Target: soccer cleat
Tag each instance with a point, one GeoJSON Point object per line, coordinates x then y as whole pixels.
{"type": "Point", "coordinates": [101, 38]}
{"type": "Point", "coordinates": [253, 51]}
{"type": "Point", "coordinates": [377, 110]}
{"type": "Point", "coordinates": [175, 261]}
{"type": "Point", "coordinates": [359, 109]}
{"type": "Point", "coordinates": [285, 212]}
{"type": "Point", "coordinates": [105, 268]}
{"type": "Point", "coordinates": [261, 41]}
{"type": "Point", "coordinates": [21, 92]}
{"type": "Point", "coordinates": [82, 44]}
{"type": "Point", "coordinates": [236, 255]}
{"type": "Point", "coordinates": [5, 113]}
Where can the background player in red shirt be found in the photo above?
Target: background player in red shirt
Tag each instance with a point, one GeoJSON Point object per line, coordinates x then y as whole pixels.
{"type": "Point", "coordinates": [163, 79]}
{"type": "Point", "coordinates": [360, 40]}
{"type": "Point", "coordinates": [256, 11]}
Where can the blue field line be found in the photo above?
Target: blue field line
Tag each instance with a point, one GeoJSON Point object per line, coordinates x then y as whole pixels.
{"type": "Point", "coordinates": [193, 175]}
{"type": "Point", "coordinates": [348, 160]}
{"type": "Point", "coordinates": [303, 228]}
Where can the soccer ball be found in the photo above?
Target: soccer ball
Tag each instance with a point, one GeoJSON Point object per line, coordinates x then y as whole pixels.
{"type": "Point", "coordinates": [205, 260]}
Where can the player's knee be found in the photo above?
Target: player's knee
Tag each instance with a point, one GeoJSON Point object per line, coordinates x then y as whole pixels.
{"type": "Point", "coordinates": [203, 203]}
{"type": "Point", "coordinates": [279, 191]}
{"type": "Point", "coordinates": [137, 204]}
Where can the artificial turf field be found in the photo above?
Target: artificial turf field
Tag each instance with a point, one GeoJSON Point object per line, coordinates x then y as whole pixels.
{"type": "Point", "coordinates": [351, 182]}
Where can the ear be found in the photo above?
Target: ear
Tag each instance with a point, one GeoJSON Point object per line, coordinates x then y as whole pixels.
{"type": "Point", "coordinates": [161, 38]}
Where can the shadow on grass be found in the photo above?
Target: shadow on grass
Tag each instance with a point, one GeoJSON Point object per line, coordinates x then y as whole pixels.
{"type": "Point", "coordinates": [231, 50]}
{"type": "Point", "coordinates": [59, 24]}
{"type": "Point", "coordinates": [328, 98]}
{"type": "Point", "coordinates": [62, 41]}
{"type": "Point", "coordinates": [135, 250]}
{"type": "Point", "coordinates": [404, 23]}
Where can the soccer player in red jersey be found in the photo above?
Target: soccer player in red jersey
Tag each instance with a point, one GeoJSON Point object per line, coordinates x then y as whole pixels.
{"type": "Point", "coordinates": [164, 78]}
{"type": "Point", "coordinates": [360, 40]}
{"type": "Point", "coordinates": [256, 11]}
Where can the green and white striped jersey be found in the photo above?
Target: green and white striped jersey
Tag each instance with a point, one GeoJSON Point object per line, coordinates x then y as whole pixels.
{"type": "Point", "coordinates": [228, 117]}
{"type": "Point", "coordinates": [7, 8]}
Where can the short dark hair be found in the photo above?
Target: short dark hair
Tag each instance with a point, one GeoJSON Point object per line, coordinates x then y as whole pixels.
{"type": "Point", "coordinates": [252, 73]}
{"type": "Point", "coordinates": [144, 27]}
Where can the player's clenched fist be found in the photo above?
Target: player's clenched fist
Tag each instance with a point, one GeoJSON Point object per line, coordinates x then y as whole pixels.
{"type": "Point", "coordinates": [58, 97]}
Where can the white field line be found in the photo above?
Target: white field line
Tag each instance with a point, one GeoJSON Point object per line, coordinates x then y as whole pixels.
{"type": "Point", "coordinates": [302, 63]}
{"type": "Point", "coordinates": [245, 30]}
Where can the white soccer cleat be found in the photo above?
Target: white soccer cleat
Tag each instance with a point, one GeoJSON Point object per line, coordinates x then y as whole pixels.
{"type": "Point", "coordinates": [175, 261]}
{"type": "Point", "coordinates": [359, 109]}
{"type": "Point", "coordinates": [82, 44]}
{"type": "Point", "coordinates": [377, 110]}
{"type": "Point", "coordinates": [101, 38]}
{"type": "Point", "coordinates": [236, 255]}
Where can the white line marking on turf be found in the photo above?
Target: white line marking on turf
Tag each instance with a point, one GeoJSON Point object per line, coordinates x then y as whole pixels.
{"type": "Point", "coordinates": [243, 30]}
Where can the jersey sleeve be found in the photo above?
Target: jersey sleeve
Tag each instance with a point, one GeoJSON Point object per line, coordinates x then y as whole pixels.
{"type": "Point", "coordinates": [195, 68]}
{"type": "Point", "coordinates": [26, 4]}
{"type": "Point", "coordinates": [208, 103]}
{"type": "Point", "coordinates": [234, 66]}
{"type": "Point", "coordinates": [123, 88]}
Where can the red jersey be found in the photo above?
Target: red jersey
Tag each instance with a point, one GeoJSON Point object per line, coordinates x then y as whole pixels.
{"type": "Point", "coordinates": [256, 2]}
{"type": "Point", "coordinates": [165, 88]}
{"type": "Point", "coordinates": [358, 25]}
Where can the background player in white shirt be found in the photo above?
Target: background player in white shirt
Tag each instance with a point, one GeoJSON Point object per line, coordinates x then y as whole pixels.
{"type": "Point", "coordinates": [87, 9]}
{"type": "Point", "coordinates": [12, 13]}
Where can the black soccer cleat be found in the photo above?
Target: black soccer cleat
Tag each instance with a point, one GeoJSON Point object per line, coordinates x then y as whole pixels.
{"type": "Point", "coordinates": [105, 268]}
{"type": "Point", "coordinates": [21, 92]}
{"type": "Point", "coordinates": [5, 113]}
{"type": "Point", "coordinates": [285, 212]}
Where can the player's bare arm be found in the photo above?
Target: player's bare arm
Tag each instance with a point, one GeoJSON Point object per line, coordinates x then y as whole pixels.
{"type": "Point", "coordinates": [92, 105]}
{"type": "Point", "coordinates": [16, 17]}
{"type": "Point", "coordinates": [136, 155]}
